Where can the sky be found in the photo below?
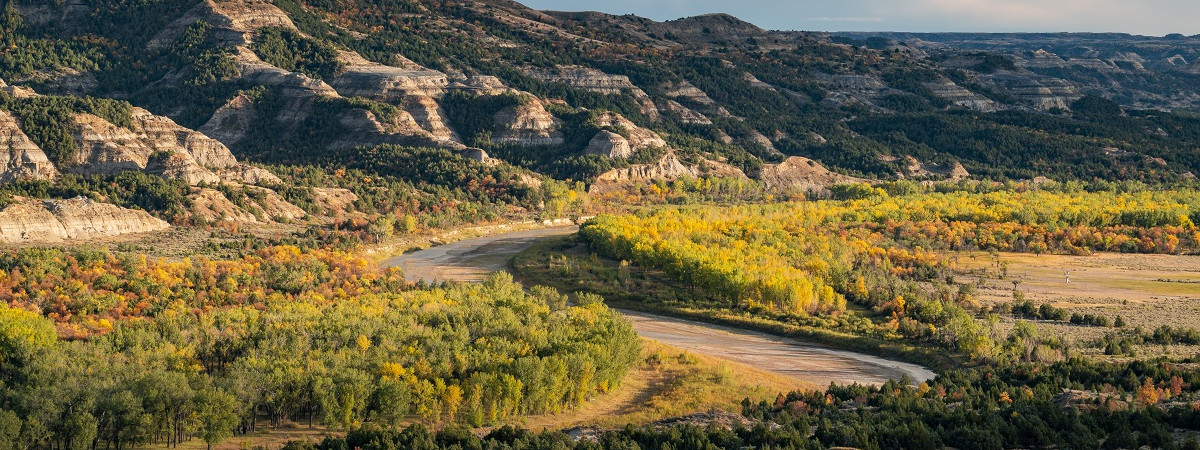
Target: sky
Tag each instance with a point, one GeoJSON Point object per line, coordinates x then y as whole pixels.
{"type": "Point", "coordinates": [1148, 17]}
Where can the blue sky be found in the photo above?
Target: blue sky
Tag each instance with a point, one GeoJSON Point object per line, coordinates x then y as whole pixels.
{"type": "Point", "coordinates": [1150, 17]}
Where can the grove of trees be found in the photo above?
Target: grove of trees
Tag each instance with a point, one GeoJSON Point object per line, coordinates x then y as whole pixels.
{"type": "Point", "coordinates": [123, 350]}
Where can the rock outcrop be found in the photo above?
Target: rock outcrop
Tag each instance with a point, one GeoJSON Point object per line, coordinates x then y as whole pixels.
{"type": "Point", "coordinates": [961, 97]}
{"type": "Point", "coordinates": [179, 166]}
{"type": "Point", "coordinates": [273, 207]}
{"type": "Point", "coordinates": [639, 138]}
{"type": "Point", "coordinates": [684, 89]}
{"type": "Point", "coordinates": [163, 134]}
{"type": "Point", "coordinates": [31, 220]}
{"type": "Point", "coordinates": [801, 174]}
{"type": "Point", "coordinates": [105, 148]}
{"type": "Point", "coordinates": [234, 21]}
{"type": "Point", "coordinates": [211, 205]}
{"type": "Point", "coordinates": [597, 81]}
{"type": "Point", "coordinates": [864, 87]}
{"type": "Point", "coordinates": [247, 174]}
{"type": "Point", "coordinates": [479, 85]}
{"type": "Point", "coordinates": [20, 157]}
{"type": "Point", "coordinates": [686, 115]}
{"type": "Point", "coordinates": [765, 142]}
{"type": "Point", "coordinates": [252, 69]}
{"type": "Point", "coordinates": [667, 168]}
{"type": "Point", "coordinates": [62, 80]}
{"type": "Point", "coordinates": [230, 123]}
{"type": "Point", "coordinates": [363, 78]}
{"type": "Point", "coordinates": [690, 93]}
{"type": "Point", "coordinates": [609, 144]}
{"type": "Point", "coordinates": [430, 116]}
{"type": "Point", "coordinates": [1039, 92]}
{"type": "Point", "coordinates": [265, 206]}
{"type": "Point", "coordinates": [918, 169]}
{"type": "Point", "coordinates": [527, 124]}
{"type": "Point", "coordinates": [757, 83]}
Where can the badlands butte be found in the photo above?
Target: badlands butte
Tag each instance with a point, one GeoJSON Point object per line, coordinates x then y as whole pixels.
{"type": "Point", "coordinates": [236, 104]}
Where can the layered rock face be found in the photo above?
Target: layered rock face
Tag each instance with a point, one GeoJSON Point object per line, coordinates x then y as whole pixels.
{"type": "Point", "coordinates": [213, 206]}
{"type": "Point", "coordinates": [178, 166]}
{"type": "Point", "coordinates": [918, 169]}
{"type": "Point", "coordinates": [757, 83]}
{"type": "Point", "coordinates": [685, 114]}
{"type": "Point", "coordinates": [363, 78]}
{"type": "Point", "coordinates": [406, 84]}
{"type": "Point", "coordinates": [254, 70]}
{"type": "Point", "coordinates": [864, 87]}
{"type": "Point", "coordinates": [765, 142]}
{"type": "Point", "coordinates": [527, 124]}
{"type": "Point", "coordinates": [597, 81]}
{"type": "Point", "coordinates": [230, 123]}
{"type": "Point", "coordinates": [163, 134]}
{"type": "Point", "coordinates": [430, 116]}
{"type": "Point", "coordinates": [234, 20]}
{"type": "Point", "coordinates": [20, 158]}
{"type": "Point", "coordinates": [801, 174]}
{"type": "Point", "coordinates": [962, 97]}
{"type": "Point", "coordinates": [363, 121]}
{"type": "Point", "coordinates": [639, 138]}
{"type": "Point", "coordinates": [687, 91]}
{"type": "Point", "coordinates": [105, 148]}
{"type": "Point", "coordinates": [609, 144]}
{"type": "Point", "coordinates": [30, 220]}
{"type": "Point", "coordinates": [63, 80]}
{"type": "Point", "coordinates": [245, 174]}
{"type": "Point", "coordinates": [479, 84]}
{"type": "Point", "coordinates": [1041, 93]}
{"type": "Point", "coordinates": [152, 144]}
{"type": "Point", "coordinates": [667, 168]}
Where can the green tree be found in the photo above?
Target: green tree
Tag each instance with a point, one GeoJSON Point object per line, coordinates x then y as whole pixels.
{"type": "Point", "coordinates": [215, 415]}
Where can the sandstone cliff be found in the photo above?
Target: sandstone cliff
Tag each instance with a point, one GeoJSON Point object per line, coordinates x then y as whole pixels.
{"type": "Point", "coordinates": [765, 142]}
{"type": "Point", "coordinates": [685, 114]}
{"type": "Point", "coordinates": [597, 81]}
{"type": "Point", "coordinates": [105, 148]}
{"type": "Point", "coordinates": [527, 124]}
{"type": "Point", "coordinates": [363, 78]}
{"type": "Point", "coordinates": [246, 174]}
{"type": "Point", "coordinates": [918, 169]}
{"type": "Point", "coordinates": [30, 220]}
{"type": "Point", "coordinates": [20, 158]}
{"type": "Point", "coordinates": [962, 97]}
{"type": "Point", "coordinates": [639, 138]}
{"type": "Point", "coordinates": [430, 116]}
{"type": "Point", "coordinates": [230, 123]}
{"type": "Point", "coordinates": [1039, 92]}
{"type": "Point", "coordinates": [609, 144]}
{"type": "Point", "coordinates": [801, 174]}
{"type": "Point", "coordinates": [667, 168]}
{"type": "Point", "coordinates": [264, 206]}
{"type": "Point", "coordinates": [178, 166]}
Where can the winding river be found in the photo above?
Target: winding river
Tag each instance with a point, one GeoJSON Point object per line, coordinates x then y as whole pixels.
{"type": "Point", "coordinates": [471, 260]}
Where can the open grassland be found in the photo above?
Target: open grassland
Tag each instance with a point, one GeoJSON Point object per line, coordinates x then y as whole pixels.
{"type": "Point", "coordinates": [1147, 291]}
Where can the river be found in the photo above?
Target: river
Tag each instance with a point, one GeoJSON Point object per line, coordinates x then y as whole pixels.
{"type": "Point", "coordinates": [472, 260]}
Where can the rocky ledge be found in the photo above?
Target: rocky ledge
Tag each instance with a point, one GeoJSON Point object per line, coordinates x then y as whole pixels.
{"type": "Point", "coordinates": [80, 218]}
